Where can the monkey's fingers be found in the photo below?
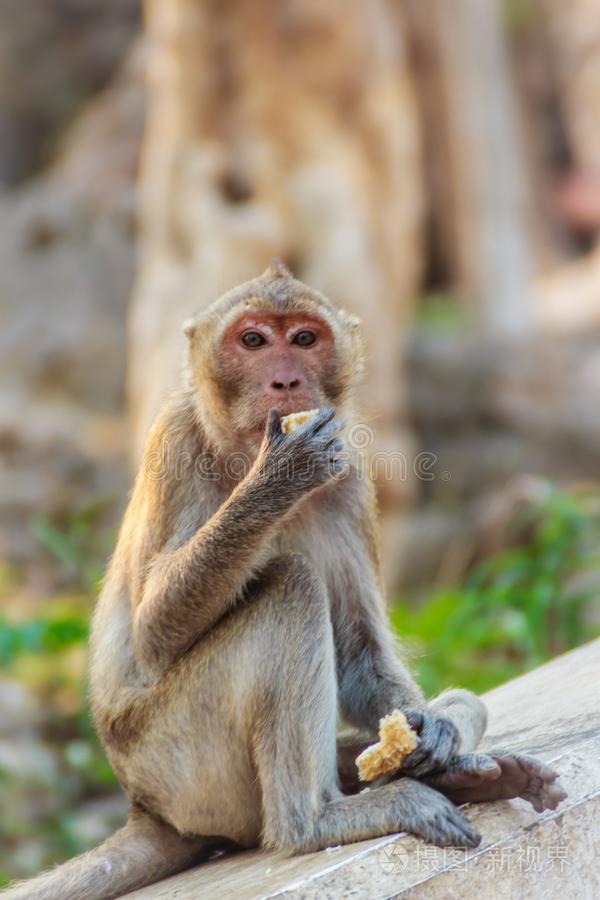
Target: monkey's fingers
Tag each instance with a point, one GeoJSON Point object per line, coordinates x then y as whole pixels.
{"type": "Point", "coordinates": [326, 430]}
{"type": "Point", "coordinates": [314, 425]}
{"type": "Point", "coordinates": [438, 742]}
{"type": "Point", "coordinates": [323, 425]}
{"type": "Point", "coordinates": [321, 433]}
{"type": "Point", "coordinates": [273, 425]}
{"type": "Point", "coordinates": [329, 433]}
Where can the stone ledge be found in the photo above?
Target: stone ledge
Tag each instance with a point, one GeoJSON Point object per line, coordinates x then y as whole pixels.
{"type": "Point", "coordinates": [552, 713]}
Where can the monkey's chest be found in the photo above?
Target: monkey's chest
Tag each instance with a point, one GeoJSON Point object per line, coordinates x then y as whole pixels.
{"type": "Point", "coordinates": [316, 533]}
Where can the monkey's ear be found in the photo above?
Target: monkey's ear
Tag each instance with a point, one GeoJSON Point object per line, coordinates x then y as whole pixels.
{"type": "Point", "coordinates": [189, 328]}
{"type": "Point", "coordinates": [353, 322]}
{"type": "Point", "coordinates": [276, 269]}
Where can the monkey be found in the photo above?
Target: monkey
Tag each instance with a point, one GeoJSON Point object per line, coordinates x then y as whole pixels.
{"type": "Point", "coordinates": [243, 614]}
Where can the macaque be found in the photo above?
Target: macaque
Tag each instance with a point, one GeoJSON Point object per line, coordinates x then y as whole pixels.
{"type": "Point", "coordinates": [242, 612]}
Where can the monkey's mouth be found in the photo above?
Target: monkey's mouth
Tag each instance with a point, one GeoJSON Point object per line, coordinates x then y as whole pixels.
{"type": "Point", "coordinates": [287, 409]}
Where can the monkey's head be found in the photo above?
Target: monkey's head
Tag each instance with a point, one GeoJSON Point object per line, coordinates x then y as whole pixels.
{"type": "Point", "coordinates": [271, 342]}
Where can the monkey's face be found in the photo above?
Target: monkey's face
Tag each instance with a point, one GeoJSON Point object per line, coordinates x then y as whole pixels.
{"type": "Point", "coordinates": [271, 359]}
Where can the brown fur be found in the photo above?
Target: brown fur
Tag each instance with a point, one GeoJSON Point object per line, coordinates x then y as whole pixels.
{"type": "Point", "coordinates": [239, 615]}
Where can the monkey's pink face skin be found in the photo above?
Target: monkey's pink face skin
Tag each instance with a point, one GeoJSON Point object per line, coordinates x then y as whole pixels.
{"type": "Point", "coordinates": [280, 361]}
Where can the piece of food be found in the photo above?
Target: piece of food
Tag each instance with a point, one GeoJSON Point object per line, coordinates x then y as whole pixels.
{"type": "Point", "coordinates": [288, 423]}
{"type": "Point", "coordinates": [396, 741]}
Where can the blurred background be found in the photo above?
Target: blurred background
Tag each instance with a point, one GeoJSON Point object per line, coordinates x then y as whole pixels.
{"type": "Point", "coordinates": [432, 165]}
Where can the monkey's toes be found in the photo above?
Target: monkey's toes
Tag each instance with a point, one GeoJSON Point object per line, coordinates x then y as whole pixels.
{"type": "Point", "coordinates": [464, 772]}
{"type": "Point", "coordinates": [456, 831]}
{"type": "Point", "coordinates": [543, 790]}
{"type": "Point", "coordinates": [546, 796]}
{"type": "Point", "coordinates": [439, 822]}
{"type": "Point", "coordinates": [530, 779]}
{"type": "Point", "coordinates": [553, 795]}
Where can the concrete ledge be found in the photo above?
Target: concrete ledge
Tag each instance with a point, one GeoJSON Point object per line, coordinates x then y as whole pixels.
{"type": "Point", "coordinates": [552, 713]}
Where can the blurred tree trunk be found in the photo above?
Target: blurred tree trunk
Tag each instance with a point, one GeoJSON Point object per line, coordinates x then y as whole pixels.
{"type": "Point", "coordinates": [284, 129]}
{"type": "Point", "coordinates": [569, 298]}
{"type": "Point", "coordinates": [574, 34]}
{"type": "Point", "coordinates": [482, 207]}
{"type": "Point", "coordinates": [574, 29]}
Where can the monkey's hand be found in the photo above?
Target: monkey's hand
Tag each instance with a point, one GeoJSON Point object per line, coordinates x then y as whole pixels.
{"type": "Point", "coordinates": [306, 457]}
{"type": "Point", "coordinates": [479, 777]}
{"type": "Point", "coordinates": [438, 742]}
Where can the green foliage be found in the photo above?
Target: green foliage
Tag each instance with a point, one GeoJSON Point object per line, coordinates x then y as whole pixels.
{"type": "Point", "coordinates": [51, 633]}
{"type": "Point", "coordinates": [517, 608]}
{"type": "Point", "coordinates": [440, 312]}
{"type": "Point", "coordinates": [77, 544]}
{"type": "Point", "coordinates": [46, 651]}
{"type": "Point", "coordinates": [63, 621]}
{"type": "Point", "coordinates": [521, 16]}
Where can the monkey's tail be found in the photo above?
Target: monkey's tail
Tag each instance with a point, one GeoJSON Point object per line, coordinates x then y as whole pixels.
{"type": "Point", "coordinates": [142, 852]}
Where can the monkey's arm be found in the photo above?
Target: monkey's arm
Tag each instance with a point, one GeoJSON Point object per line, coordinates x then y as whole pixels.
{"type": "Point", "coordinates": [186, 589]}
{"type": "Point", "coordinates": [372, 679]}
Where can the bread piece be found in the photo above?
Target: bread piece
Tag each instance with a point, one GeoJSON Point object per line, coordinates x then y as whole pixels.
{"type": "Point", "coordinates": [289, 423]}
{"type": "Point", "coordinates": [396, 741]}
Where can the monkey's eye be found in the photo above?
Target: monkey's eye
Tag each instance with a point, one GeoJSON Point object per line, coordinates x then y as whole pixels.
{"type": "Point", "coordinates": [305, 338]}
{"type": "Point", "coordinates": [253, 339]}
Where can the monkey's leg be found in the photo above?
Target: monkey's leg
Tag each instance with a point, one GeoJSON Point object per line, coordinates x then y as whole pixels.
{"type": "Point", "coordinates": [294, 745]}
{"type": "Point", "coordinates": [266, 671]}
{"type": "Point", "coordinates": [142, 852]}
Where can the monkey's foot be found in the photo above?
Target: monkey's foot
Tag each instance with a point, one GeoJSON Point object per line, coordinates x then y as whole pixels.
{"type": "Point", "coordinates": [479, 778]}
{"type": "Point", "coordinates": [436, 819]}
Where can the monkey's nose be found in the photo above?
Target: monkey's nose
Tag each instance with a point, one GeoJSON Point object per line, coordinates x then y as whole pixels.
{"type": "Point", "coordinates": [288, 384]}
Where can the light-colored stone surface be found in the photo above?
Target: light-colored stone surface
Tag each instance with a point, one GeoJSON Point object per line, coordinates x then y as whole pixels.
{"type": "Point", "coordinates": [553, 713]}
